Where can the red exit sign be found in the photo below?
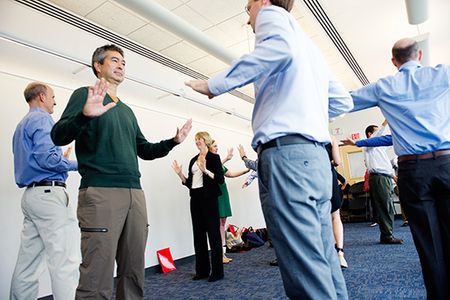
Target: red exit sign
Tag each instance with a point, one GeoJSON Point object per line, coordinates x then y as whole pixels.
{"type": "Point", "coordinates": [355, 136]}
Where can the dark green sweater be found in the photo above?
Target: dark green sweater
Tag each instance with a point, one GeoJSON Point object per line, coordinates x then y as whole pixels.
{"type": "Point", "coordinates": [107, 146]}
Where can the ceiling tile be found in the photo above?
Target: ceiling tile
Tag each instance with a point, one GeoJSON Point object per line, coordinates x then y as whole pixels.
{"type": "Point", "coordinates": [243, 47]}
{"type": "Point", "coordinates": [170, 4]}
{"type": "Point", "coordinates": [184, 52]}
{"type": "Point", "coordinates": [116, 18]}
{"type": "Point", "coordinates": [221, 37]}
{"type": "Point", "coordinates": [154, 37]}
{"type": "Point", "coordinates": [80, 7]}
{"type": "Point", "coordinates": [192, 17]}
{"type": "Point", "coordinates": [208, 65]}
{"type": "Point", "coordinates": [217, 11]}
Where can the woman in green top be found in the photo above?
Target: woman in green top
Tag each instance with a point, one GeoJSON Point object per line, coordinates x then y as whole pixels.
{"type": "Point", "coordinates": [224, 199]}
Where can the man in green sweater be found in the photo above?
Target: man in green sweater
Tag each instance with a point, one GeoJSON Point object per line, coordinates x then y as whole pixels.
{"type": "Point", "coordinates": [112, 212]}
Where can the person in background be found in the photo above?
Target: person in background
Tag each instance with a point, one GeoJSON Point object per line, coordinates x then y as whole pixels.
{"type": "Point", "coordinates": [381, 141]}
{"type": "Point", "coordinates": [251, 164]}
{"type": "Point", "coordinates": [336, 201]}
{"type": "Point", "coordinates": [203, 181]}
{"type": "Point", "coordinates": [49, 223]}
{"type": "Point", "coordinates": [295, 94]}
{"type": "Point", "coordinates": [112, 210]}
{"type": "Point", "coordinates": [224, 199]}
{"type": "Point", "coordinates": [416, 103]}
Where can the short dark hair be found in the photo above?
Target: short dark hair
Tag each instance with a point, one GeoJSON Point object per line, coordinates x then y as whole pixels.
{"type": "Point", "coordinates": [100, 54]}
{"type": "Point", "coordinates": [371, 129]}
{"type": "Point", "coordinates": [33, 90]}
{"type": "Point", "coordinates": [405, 54]}
{"type": "Point", "coordinates": [286, 4]}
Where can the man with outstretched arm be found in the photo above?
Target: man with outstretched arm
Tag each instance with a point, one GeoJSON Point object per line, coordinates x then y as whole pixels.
{"type": "Point", "coordinates": [112, 210]}
{"type": "Point", "coordinates": [416, 103]}
{"type": "Point", "coordinates": [295, 94]}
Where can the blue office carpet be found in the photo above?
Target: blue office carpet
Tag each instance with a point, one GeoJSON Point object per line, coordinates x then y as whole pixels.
{"type": "Point", "coordinates": [375, 272]}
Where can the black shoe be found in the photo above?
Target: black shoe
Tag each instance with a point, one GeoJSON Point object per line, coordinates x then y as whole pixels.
{"type": "Point", "coordinates": [405, 224]}
{"type": "Point", "coordinates": [199, 277]}
{"type": "Point", "coordinates": [213, 278]}
{"type": "Point", "coordinates": [391, 240]}
{"type": "Point", "coordinates": [274, 263]}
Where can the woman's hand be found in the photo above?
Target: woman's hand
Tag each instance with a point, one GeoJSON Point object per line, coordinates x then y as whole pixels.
{"type": "Point", "coordinates": [177, 167]}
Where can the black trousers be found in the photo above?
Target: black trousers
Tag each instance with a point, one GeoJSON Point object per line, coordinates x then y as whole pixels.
{"type": "Point", "coordinates": [424, 187]}
{"type": "Point", "coordinates": [206, 226]}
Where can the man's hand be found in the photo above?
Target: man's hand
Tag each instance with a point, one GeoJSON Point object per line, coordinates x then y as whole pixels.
{"type": "Point", "coordinates": [182, 133]}
{"type": "Point", "coordinates": [241, 151]}
{"type": "Point", "coordinates": [68, 151]}
{"type": "Point", "coordinates": [94, 103]}
{"type": "Point", "coordinates": [348, 141]}
{"type": "Point", "coordinates": [200, 86]}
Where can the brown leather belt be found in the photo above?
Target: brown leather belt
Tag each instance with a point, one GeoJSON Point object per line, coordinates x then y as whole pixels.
{"type": "Point", "coordinates": [423, 156]}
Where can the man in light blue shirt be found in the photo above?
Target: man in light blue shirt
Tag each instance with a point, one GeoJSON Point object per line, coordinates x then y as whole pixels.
{"type": "Point", "coordinates": [295, 95]}
{"type": "Point", "coordinates": [49, 221]}
{"type": "Point", "coordinates": [416, 104]}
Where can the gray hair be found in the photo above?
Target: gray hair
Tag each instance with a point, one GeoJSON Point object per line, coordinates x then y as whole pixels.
{"type": "Point", "coordinates": [100, 54]}
{"type": "Point", "coordinates": [33, 90]}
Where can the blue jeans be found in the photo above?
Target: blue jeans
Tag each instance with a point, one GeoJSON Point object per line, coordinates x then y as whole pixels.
{"type": "Point", "coordinates": [295, 191]}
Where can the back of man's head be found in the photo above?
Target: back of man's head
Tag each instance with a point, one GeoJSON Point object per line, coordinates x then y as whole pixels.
{"type": "Point", "coordinates": [405, 50]}
{"type": "Point", "coordinates": [286, 4]}
{"type": "Point", "coordinates": [370, 130]}
{"type": "Point", "coordinates": [33, 90]}
{"type": "Point", "coordinates": [100, 53]}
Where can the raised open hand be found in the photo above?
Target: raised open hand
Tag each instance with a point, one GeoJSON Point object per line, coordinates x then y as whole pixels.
{"type": "Point", "coordinates": [183, 132]}
{"type": "Point", "coordinates": [177, 167]}
{"type": "Point", "coordinates": [241, 151]}
{"type": "Point", "coordinates": [229, 154]}
{"type": "Point", "coordinates": [94, 103]}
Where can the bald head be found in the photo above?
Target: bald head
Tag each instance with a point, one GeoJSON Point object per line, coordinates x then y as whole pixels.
{"type": "Point", "coordinates": [405, 50]}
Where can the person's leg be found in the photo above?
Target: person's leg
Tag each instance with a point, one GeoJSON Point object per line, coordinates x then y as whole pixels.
{"type": "Point", "coordinates": [424, 187]}
{"type": "Point", "coordinates": [101, 214]}
{"type": "Point", "coordinates": [131, 248]}
{"type": "Point", "coordinates": [296, 208]}
{"type": "Point", "coordinates": [381, 193]}
{"type": "Point", "coordinates": [338, 232]}
{"type": "Point", "coordinates": [57, 226]}
{"type": "Point", "coordinates": [223, 221]}
{"type": "Point", "coordinates": [212, 219]}
{"type": "Point", "coordinates": [222, 229]}
{"type": "Point", "coordinates": [202, 266]}
{"type": "Point", "coordinates": [30, 260]}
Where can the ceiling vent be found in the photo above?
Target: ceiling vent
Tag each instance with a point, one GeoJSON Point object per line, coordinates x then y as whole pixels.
{"type": "Point", "coordinates": [118, 40]}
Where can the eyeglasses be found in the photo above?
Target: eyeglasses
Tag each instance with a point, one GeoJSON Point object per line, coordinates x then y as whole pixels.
{"type": "Point", "coordinates": [248, 7]}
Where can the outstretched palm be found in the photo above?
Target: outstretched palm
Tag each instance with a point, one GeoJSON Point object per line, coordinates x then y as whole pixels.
{"type": "Point", "coordinates": [94, 103]}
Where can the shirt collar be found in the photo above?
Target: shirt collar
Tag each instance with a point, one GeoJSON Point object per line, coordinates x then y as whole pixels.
{"type": "Point", "coordinates": [38, 109]}
{"type": "Point", "coordinates": [410, 65]}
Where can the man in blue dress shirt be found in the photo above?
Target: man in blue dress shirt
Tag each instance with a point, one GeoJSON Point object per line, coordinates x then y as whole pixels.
{"type": "Point", "coordinates": [49, 222]}
{"type": "Point", "coordinates": [295, 94]}
{"type": "Point", "coordinates": [416, 103]}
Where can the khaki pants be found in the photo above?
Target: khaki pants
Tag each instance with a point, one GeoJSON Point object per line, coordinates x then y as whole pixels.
{"type": "Point", "coordinates": [113, 223]}
{"type": "Point", "coordinates": [49, 228]}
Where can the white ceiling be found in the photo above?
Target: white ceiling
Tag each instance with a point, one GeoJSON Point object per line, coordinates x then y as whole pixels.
{"type": "Point", "coordinates": [368, 27]}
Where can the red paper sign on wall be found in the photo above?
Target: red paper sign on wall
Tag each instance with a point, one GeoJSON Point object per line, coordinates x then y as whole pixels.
{"type": "Point", "coordinates": [355, 136]}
